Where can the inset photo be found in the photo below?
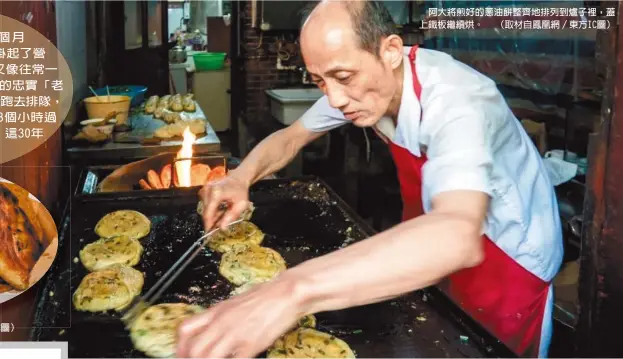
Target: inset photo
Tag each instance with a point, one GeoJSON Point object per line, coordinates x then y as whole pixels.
{"type": "Point", "coordinates": [28, 240]}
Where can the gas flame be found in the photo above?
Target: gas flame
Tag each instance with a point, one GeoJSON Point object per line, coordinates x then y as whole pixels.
{"type": "Point", "coordinates": [182, 168]}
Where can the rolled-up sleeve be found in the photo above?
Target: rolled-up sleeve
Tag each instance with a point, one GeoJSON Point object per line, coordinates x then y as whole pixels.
{"type": "Point", "coordinates": [459, 150]}
{"type": "Point", "coordinates": [322, 117]}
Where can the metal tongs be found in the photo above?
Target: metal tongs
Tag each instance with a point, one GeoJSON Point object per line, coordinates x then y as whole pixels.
{"type": "Point", "coordinates": [139, 304]}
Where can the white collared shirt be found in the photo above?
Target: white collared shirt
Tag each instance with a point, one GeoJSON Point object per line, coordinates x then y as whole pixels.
{"type": "Point", "coordinates": [473, 142]}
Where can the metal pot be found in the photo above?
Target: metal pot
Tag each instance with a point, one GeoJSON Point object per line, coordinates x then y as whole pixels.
{"type": "Point", "coordinates": [177, 55]}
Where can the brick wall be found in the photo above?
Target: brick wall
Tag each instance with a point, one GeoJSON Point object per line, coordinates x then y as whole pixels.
{"type": "Point", "coordinates": [260, 54]}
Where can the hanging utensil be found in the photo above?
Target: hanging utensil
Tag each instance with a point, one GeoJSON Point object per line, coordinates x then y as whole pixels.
{"type": "Point", "coordinates": [95, 94]}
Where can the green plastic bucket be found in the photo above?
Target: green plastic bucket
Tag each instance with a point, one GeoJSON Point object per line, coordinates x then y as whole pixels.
{"type": "Point", "coordinates": [207, 61]}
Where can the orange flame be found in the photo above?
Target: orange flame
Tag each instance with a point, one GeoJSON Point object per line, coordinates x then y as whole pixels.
{"type": "Point", "coordinates": [182, 168]}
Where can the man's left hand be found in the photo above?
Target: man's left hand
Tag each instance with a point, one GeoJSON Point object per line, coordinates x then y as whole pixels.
{"type": "Point", "coordinates": [240, 327]}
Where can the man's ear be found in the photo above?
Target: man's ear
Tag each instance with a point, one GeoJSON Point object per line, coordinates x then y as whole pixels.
{"type": "Point", "coordinates": [391, 51]}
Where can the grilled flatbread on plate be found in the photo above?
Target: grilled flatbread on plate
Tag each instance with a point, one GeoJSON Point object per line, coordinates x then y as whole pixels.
{"type": "Point", "coordinates": [309, 343]}
{"type": "Point", "coordinates": [242, 233]}
{"type": "Point", "coordinates": [109, 251]}
{"type": "Point", "coordinates": [124, 222]}
{"type": "Point", "coordinates": [251, 263]}
{"type": "Point", "coordinates": [20, 237]}
{"type": "Point", "coordinates": [154, 331]}
{"type": "Point", "coordinates": [108, 289]}
{"type": "Point", "coordinates": [28, 206]}
{"type": "Point", "coordinates": [4, 286]}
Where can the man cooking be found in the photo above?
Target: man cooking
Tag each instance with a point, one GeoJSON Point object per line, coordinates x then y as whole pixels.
{"type": "Point", "coordinates": [479, 209]}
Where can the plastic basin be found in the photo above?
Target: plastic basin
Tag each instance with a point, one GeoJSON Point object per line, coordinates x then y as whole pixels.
{"type": "Point", "coordinates": [207, 61]}
{"type": "Point", "coordinates": [136, 93]}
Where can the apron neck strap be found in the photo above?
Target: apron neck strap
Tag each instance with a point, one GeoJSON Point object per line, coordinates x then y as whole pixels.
{"type": "Point", "coordinates": [417, 87]}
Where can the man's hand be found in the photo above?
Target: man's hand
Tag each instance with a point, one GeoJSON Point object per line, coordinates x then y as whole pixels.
{"type": "Point", "coordinates": [240, 327]}
{"type": "Point", "coordinates": [230, 191]}
{"type": "Point", "coordinates": [421, 251]}
{"type": "Point", "coordinates": [268, 157]}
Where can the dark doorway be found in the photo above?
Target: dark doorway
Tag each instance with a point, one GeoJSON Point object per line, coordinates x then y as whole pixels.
{"type": "Point", "coordinates": [138, 44]}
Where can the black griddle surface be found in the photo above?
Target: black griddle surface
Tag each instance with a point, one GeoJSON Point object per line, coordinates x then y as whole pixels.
{"type": "Point", "coordinates": [302, 219]}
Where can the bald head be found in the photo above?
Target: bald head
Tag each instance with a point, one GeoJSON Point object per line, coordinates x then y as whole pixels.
{"type": "Point", "coordinates": [328, 27]}
{"type": "Point", "coordinates": [352, 54]}
{"type": "Point", "coordinates": [365, 22]}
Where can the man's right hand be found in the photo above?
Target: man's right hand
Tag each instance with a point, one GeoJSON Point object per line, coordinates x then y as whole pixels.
{"type": "Point", "coordinates": [269, 156]}
{"type": "Point", "coordinates": [231, 191]}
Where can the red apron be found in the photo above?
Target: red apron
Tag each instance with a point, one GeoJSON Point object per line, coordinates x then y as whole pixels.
{"type": "Point", "coordinates": [501, 295]}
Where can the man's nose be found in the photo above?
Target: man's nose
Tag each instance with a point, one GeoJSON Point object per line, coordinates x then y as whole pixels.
{"type": "Point", "coordinates": [337, 97]}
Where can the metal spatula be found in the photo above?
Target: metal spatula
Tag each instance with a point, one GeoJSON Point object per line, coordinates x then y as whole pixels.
{"type": "Point", "coordinates": [139, 304]}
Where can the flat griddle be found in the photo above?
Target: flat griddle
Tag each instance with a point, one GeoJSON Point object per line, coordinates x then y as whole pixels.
{"type": "Point", "coordinates": [302, 219]}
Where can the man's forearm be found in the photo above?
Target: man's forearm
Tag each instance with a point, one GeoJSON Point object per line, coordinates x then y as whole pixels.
{"type": "Point", "coordinates": [273, 153]}
{"type": "Point", "coordinates": [268, 157]}
{"type": "Point", "coordinates": [410, 256]}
